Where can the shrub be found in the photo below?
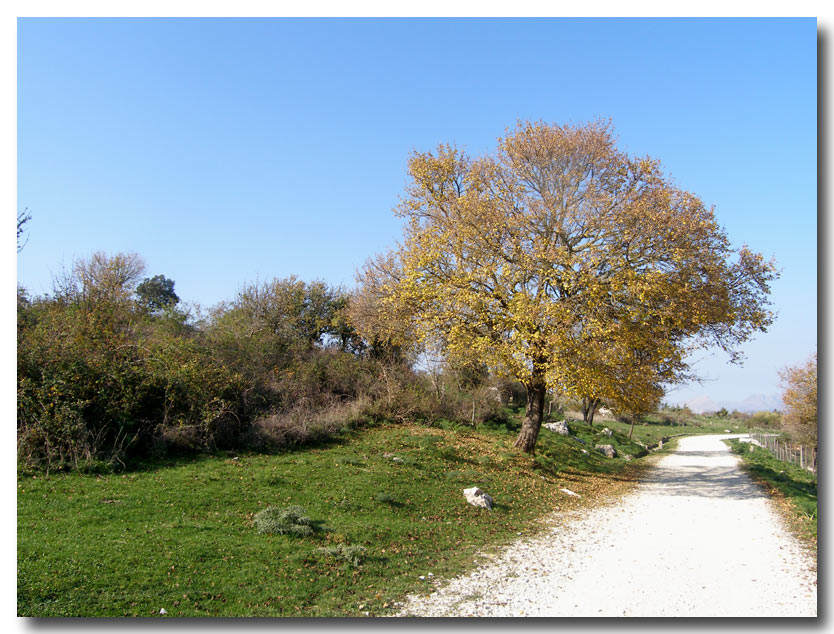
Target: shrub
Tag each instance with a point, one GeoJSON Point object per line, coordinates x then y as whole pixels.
{"type": "Point", "coordinates": [385, 498]}
{"type": "Point", "coordinates": [352, 555]}
{"type": "Point", "coordinates": [98, 379]}
{"type": "Point", "coordinates": [765, 419]}
{"type": "Point", "coordinates": [289, 520]}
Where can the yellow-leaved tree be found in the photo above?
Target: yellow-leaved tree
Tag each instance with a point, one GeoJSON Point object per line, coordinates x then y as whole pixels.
{"type": "Point", "coordinates": [558, 252]}
{"type": "Point", "coordinates": [800, 398]}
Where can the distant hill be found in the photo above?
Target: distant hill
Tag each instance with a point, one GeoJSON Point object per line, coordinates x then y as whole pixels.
{"type": "Point", "coordinates": [753, 403]}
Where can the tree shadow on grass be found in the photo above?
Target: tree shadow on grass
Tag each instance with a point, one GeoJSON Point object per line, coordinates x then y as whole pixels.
{"type": "Point", "coordinates": [574, 475]}
{"type": "Point", "coordinates": [148, 465]}
{"type": "Point", "coordinates": [804, 493]}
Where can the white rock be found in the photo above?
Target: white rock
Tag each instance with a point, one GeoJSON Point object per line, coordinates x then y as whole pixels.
{"type": "Point", "coordinates": [607, 450]}
{"type": "Point", "coordinates": [607, 432]}
{"type": "Point", "coordinates": [476, 497]}
{"type": "Point", "coordinates": [163, 611]}
{"type": "Point", "coordinates": [559, 427]}
{"type": "Point", "coordinates": [569, 492]}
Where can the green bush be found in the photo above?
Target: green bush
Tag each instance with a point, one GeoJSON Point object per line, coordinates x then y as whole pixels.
{"type": "Point", "coordinates": [289, 520]}
{"type": "Point", "coordinates": [100, 380]}
{"type": "Point", "coordinates": [385, 498]}
{"type": "Point", "coordinates": [768, 420]}
{"type": "Point", "coordinates": [353, 555]}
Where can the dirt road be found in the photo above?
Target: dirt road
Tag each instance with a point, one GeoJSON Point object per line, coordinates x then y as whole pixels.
{"type": "Point", "coordinates": [697, 538]}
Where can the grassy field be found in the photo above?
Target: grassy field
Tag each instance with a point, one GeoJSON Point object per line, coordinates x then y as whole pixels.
{"type": "Point", "coordinates": [180, 536]}
{"type": "Point", "coordinates": [650, 433]}
{"type": "Point", "coordinates": [795, 488]}
{"type": "Point", "coordinates": [386, 504]}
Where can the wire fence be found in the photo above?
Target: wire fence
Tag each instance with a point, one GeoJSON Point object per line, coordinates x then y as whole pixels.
{"type": "Point", "coordinates": [800, 455]}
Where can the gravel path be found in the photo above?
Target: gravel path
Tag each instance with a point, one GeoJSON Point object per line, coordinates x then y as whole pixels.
{"type": "Point", "coordinates": [697, 538]}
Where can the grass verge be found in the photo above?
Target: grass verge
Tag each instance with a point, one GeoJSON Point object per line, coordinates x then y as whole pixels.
{"type": "Point", "coordinates": [386, 506]}
{"type": "Point", "coordinates": [791, 486]}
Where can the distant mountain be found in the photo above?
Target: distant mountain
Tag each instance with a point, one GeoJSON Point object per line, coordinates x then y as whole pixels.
{"type": "Point", "coordinates": [753, 403]}
{"type": "Point", "coordinates": [701, 404]}
{"type": "Point", "coordinates": [759, 402]}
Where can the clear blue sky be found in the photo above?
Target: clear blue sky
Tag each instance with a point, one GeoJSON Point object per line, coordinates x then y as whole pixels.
{"type": "Point", "coordinates": [229, 150]}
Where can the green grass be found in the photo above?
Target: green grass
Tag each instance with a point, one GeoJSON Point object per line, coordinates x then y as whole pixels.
{"type": "Point", "coordinates": [793, 484]}
{"type": "Point", "coordinates": [648, 433]}
{"type": "Point", "coordinates": [182, 535]}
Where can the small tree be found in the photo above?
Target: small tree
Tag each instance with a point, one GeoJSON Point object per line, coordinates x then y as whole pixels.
{"type": "Point", "coordinates": [157, 293]}
{"type": "Point", "coordinates": [101, 278]}
{"type": "Point", "coordinates": [293, 309]}
{"type": "Point", "coordinates": [800, 398]}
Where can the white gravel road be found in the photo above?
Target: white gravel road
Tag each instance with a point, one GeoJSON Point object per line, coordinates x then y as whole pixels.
{"type": "Point", "coordinates": [697, 538]}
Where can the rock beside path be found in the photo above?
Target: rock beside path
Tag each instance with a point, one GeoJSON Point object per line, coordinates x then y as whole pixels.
{"type": "Point", "coordinates": [476, 497]}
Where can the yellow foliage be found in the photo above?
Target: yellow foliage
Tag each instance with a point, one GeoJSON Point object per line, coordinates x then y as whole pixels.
{"type": "Point", "coordinates": [560, 260]}
{"type": "Point", "coordinates": [800, 398]}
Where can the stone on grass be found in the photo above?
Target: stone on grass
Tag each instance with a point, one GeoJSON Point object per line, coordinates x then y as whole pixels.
{"type": "Point", "coordinates": [476, 497]}
{"type": "Point", "coordinates": [607, 432]}
{"type": "Point", "coordinates": [569, 492]}
{"type": "Point", "coordinates": [607, 450]}
{"type": "Point", "coordinates": [559, 427]}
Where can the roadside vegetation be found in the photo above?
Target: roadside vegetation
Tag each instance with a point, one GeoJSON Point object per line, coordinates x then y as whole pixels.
{"type": "Point", "coordinates": [794, 487]}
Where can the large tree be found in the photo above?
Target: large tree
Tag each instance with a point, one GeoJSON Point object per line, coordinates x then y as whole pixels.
{"type": "Point", "coordinates": [559, 238]}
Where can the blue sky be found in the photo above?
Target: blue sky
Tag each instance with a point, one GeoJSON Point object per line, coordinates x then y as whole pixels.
{"type": "Point", "coordinates": [229, 150]}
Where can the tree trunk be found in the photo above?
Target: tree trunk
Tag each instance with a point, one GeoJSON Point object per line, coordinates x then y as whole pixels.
{"type": "Point", "coordinates": [532, 423]}
{"type": "Point", "coordinates": [631, 431]}
{"type": "Point", "coordinates": [589, 408]}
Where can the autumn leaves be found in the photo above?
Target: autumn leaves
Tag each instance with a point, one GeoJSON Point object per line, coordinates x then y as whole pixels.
{"type": "Point", "coordinates": [564, 263]}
